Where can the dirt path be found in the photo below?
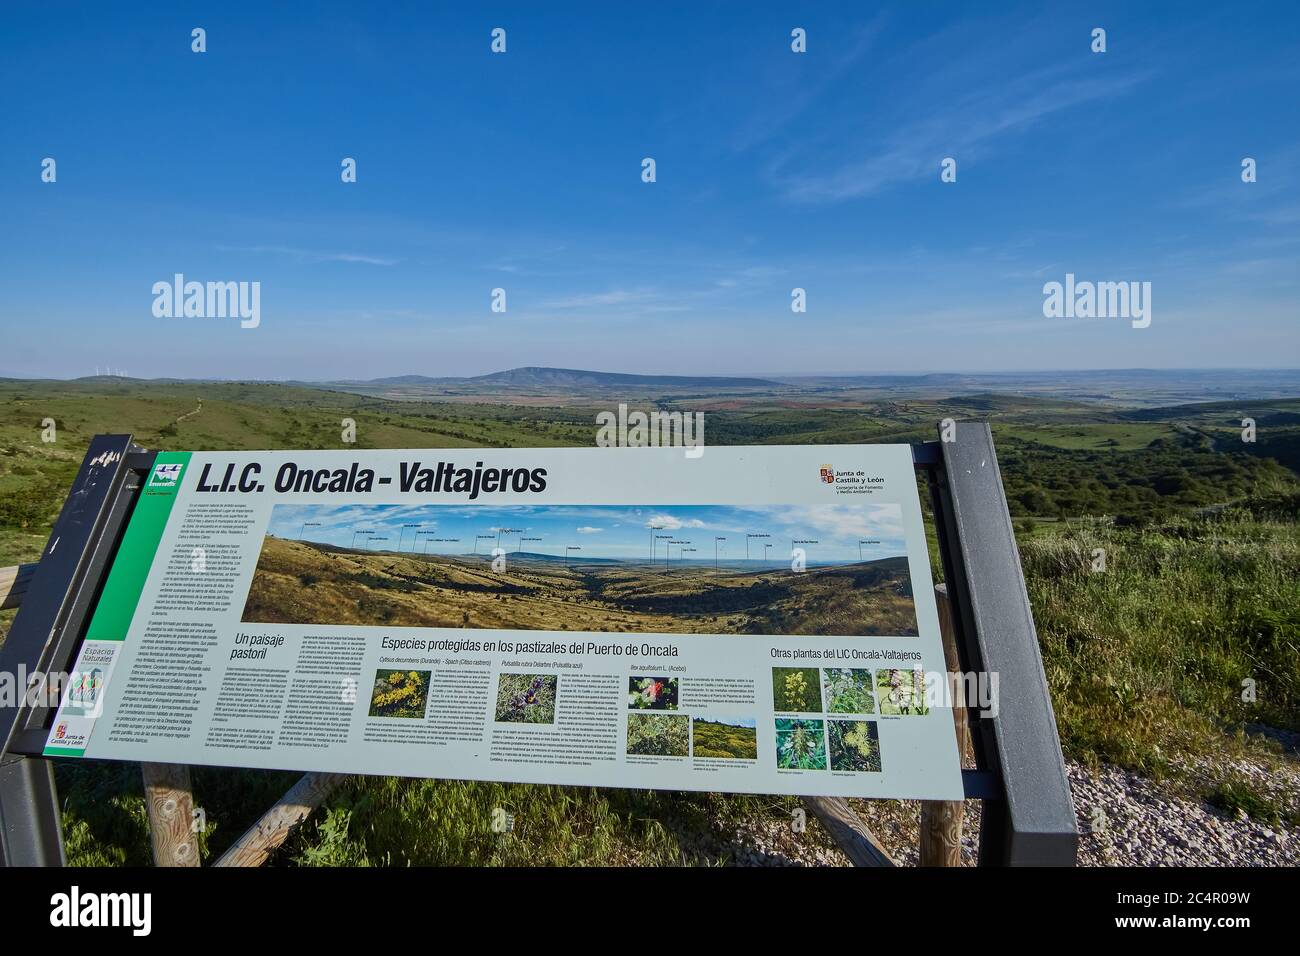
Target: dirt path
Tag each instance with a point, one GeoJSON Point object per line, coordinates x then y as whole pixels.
{"type": "Point", "coordinates": [191, 414]}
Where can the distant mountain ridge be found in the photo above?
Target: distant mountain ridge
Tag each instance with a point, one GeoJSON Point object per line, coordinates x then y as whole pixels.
{"type": "Point", "coordinates": [980, 392]}
{"type": "Point", "coordinates": [543, 377]}
{"type": "Point", "coordinates": [1118, 387]}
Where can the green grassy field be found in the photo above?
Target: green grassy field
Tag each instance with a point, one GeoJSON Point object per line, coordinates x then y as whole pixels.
{"type": "Point", "coordinates": [720, 739]}
{"type": "Point", "coordinates": [1152, 656]}
{"type": "Point", "coordinates": [1099, 437]}
{"type": "Point", "coordinates": [1146, 660]}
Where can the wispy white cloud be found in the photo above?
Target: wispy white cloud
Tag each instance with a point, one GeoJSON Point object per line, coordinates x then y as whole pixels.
{"type": "Point", "coordinates": [312, 256]}
{"type": "Point", "coordinates": [588, 300]}
{"type": "Point", "coordinates": [882, 522]}
{"type": "Point", "coordinates": [897, 114]}
{"type": "Point", "coordinates": [664, 522]}
{"type": "Point", "coordinates": [1268, 201]}
{"type": "Point", "coordinates": [967, 129]}
{"type": "Point", "coordinates": [785, 95]}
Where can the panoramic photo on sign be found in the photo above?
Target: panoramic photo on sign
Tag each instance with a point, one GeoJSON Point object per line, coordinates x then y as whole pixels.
{"type": "Point", "coordinates": [750, 619]}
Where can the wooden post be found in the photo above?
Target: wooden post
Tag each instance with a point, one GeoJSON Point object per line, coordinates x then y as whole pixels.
{"type": "Point", "coordinates": [941, 820]}
{"type": "Point", "coordinates": [171, 811]}
{"type": "Point", "coordinates": [848, 831]}
{"type": "Point", "coordinates": [257, 844]}
{"type": "Point", "coordinates": [948, 634]}
{"type": "Point", "coordinates": [13, 584]}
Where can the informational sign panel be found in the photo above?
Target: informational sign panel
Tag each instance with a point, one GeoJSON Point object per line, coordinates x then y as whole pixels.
{"type": "Point", "coordinates": [753, 620]}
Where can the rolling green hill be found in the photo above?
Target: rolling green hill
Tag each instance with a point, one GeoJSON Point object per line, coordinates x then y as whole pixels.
{"type": "Point", "coordinates": [1060, 458]}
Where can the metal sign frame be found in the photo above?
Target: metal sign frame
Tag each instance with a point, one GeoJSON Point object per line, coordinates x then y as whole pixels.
{"type": "Point", "coordinates": [1028, 816]}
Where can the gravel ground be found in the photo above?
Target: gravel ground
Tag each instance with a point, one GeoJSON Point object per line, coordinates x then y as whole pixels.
{"type": "Point", "coordinates": [1124, 820]}
{"type": "Point", "coordinates": [774, 843]}
{"type": "Point", "coordinates": [1127, 821]}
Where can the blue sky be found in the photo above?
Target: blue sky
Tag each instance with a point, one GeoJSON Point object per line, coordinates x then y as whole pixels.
{"type": "Point", "coordinates": [605, 531]}
{"type": "Point", "coordinates": [522, 171]}
{"type": "Point", "coordinates": [727, 719]}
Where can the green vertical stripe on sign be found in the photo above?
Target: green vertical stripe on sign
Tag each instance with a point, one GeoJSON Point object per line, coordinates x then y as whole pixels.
{"type": "Point", "coordinates": [139, 545]}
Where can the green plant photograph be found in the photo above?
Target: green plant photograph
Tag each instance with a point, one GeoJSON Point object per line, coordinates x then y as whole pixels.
{"type": "Point", "coordinates": [848, 690]}
{"type": "Point", "coordinates": [854, 745]}
{"type": "Point", "coordinates": [659, 735]}
{"type": "Point", "coordinates": [800, 744]}
{"type": "Point", "coordinates": [526, 698]}
{"type": "Point", "coordinates": [652, 693]}
{"type": "Point", "coordinates": [796, 689]}
{"type": "Point", "coordinates": [901, 692]}
{"type": "Point", "coordinates": [733, 738]}
{"type": "Point", "coordinates": [399, 693]}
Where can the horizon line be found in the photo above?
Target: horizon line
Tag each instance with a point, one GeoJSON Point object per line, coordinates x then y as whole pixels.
{"type": "Point", "coordinates": [777, 377]}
